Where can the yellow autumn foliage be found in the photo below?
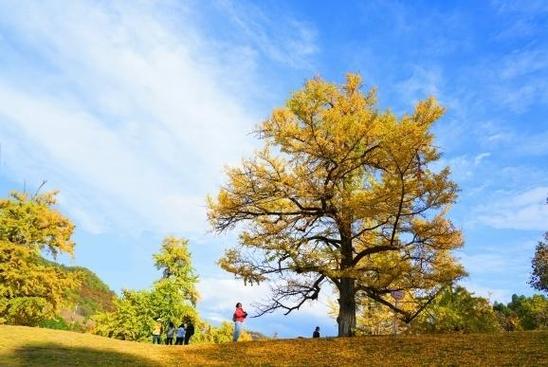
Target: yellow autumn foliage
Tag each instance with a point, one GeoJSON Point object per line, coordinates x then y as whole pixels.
{"type": "Point", "coordinates": [341, 193]}
{"type": "Point", "coordinates": [33, 347]}
{"type": "Point", "coordinates": [32, 290]}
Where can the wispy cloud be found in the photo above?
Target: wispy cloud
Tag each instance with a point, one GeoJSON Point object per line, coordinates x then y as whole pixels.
{"type": "Point", "coordinates": [219, 296]}
{"type": "Point", "coordinates": [463, 167]}
{"type": "Point", "coordinates": [133, 111]}
{"type": "Point", "coordinates": [422, 83]}
{"type": "Point", "coordinates": [129, 117]}
{"type": "Point", "coordinates": [522, 211]}
{"type": "Point", "coordinates": [490, 264]}
{"type": "Point", "coordinates": [282, 38]}
{"type": "Point", "coordinates": [537, 7]}
{"type": "Point", "coordinates": [518, 80]}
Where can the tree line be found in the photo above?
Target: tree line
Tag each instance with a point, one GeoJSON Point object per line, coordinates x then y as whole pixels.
{"type": "Point", "coordinates": [456, 310]}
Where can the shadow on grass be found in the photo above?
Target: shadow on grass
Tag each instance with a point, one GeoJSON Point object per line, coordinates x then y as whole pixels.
{"type": "Point", "coordinates": [52, 354]}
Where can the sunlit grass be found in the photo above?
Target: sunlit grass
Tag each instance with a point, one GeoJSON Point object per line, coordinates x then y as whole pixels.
{"type": "Point", "coordinates": [29, 347]}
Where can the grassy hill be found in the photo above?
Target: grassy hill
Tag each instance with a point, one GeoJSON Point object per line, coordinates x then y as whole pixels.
{"type": "Point", "coordinates": [29, 347]}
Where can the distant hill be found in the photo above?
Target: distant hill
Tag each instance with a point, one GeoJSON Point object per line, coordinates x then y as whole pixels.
{"type": "Point", "coordinates": [91, 297]}
{"type": "Point", "coordinates": [35, 347]}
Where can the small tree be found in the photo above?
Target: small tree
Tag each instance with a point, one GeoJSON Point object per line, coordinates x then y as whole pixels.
{"type": "Point", "coordinates": [175, 294]}
{"type": "Point", "coordinates": [31, 290]}
{"type": "Point", "coordinates": [131, 320]}
{"type": "Point", "coordinates": [172, 298]}
{"type": "Point", "coordinates": [539, 275]}
{"type": "Point", "coordinates": [342, 193]}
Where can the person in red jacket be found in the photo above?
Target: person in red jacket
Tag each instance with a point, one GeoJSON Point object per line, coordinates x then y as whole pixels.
{"type": "Point", "coordinates": [238, 317]}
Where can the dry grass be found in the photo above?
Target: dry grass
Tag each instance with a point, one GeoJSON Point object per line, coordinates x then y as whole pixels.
{"type": "Point", "coordinates": [30, 347]}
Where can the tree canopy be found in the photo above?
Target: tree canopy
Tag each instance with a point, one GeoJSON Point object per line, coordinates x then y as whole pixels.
{"type": "Point", "coordinates": [341, 193]}
{"type": "Point", "coordinates": [31, 289]}
{"type": "Point", "coordinates": [524, 313]}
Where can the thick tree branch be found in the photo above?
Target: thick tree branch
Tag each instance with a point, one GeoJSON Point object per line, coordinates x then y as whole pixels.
{"type": "Point", "coordinates": [373, 250]}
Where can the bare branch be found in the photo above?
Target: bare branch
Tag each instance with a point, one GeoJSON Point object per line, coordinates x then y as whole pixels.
{"type": "Point", "coordinates": [301, 292]}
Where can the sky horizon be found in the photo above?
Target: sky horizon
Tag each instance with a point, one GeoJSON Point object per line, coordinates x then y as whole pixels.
{"type": "Point", "coordinates": [133, 109]}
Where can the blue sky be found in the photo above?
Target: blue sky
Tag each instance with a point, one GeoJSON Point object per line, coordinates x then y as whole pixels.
{"type": "Point", "coordinates": [132, 109]}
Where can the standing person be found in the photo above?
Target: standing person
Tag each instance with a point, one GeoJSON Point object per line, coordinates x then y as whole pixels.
{"type": "Point", "coordinates": [156, 331]}
{"type": "Point", "coordinates": [238, 317]}
{"type": "Point", "coordinates": [316, 333]}
{"type": "Point", "coordinates": [189, 332]}
{"type": "Point", "coordinates": [170, 333]}
{"type": "Point", "coordinates": [180, 335]}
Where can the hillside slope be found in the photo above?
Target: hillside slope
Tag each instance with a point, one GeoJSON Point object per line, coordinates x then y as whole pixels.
{"type": "Point", "coordinates": [90, 297]}
{"type": "Point", "coordinates": [29, 347]}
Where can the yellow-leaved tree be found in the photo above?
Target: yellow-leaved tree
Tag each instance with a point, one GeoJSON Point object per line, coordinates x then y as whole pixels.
{"type": "Point", "coordinates": [31, 289]}
{"type": "Point", "coordinates": [342, 193]}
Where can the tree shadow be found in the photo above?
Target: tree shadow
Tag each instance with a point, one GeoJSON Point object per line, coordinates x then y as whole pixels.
{"type": "Point", "coordinates": [52, 354]}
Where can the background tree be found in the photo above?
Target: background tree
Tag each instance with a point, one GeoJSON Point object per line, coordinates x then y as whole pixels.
{"type": "Point", "coordinates": [341, 193]}
{"type": "Point", "coordinates": [132, 318]}
{"type": "Point", "coordinates": [457, 310]}
{"type": "Point", "coordinates": [539, 275]}
{"type": "Point", "coordinates": [524, 313]}
{"type": "Point", "coordinates": [172, 298]}
{"type": "Point", "coordinates": [31, 289]}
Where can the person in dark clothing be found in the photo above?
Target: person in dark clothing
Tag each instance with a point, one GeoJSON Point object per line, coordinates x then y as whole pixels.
{"type": "Point", "coordinates": [170, 333]}
{"type": "Point", "coordinates": [316, 333]}
{"type": "Point", "coordinates": [189, 332]}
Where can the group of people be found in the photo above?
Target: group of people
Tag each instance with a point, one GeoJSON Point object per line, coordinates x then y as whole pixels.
{"type": "Point", "coordinates": [184, 332]}
{"type": "Point", "coordinates": [181, 334]}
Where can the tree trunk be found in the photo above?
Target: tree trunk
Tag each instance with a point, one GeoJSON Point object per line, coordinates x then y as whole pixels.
{"type": "Point", "coordinates": [347, 308]}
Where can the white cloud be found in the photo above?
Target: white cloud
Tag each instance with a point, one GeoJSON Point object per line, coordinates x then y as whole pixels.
{"type": "Point", "coordinates": [463, 167]}
{"type": "Point", "coordinates": [282, 38]}
{"type": "Point", "coordinates": [485, 263]}
{"type": "Point", "coordinates": [128, 113]}
{"type": "Point", "coordinates": [478, 158]}
{"type": "Point", "coordinates": [501, 257]}
{"type": "Point", "coordinates": [132, 110]}
{"type": "Point", "coordinates": [519, 64]}
{"type": "Point", "coordinates": [531, 145]}
{"type": "Point", "coordinates": [535, 7]}
{"type": "Point", "coordinates": [523, 211]}
{"type": "Point", "coordinates": [518, 79]}
{"type": "Point", "coordinates": [497, 268]}
{"type": "Point", "coordinates": [421, 84]}
{"type": "Point", "coordinates": [219, 296]}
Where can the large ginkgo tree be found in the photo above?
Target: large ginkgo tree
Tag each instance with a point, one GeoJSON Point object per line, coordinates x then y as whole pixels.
{"type": "Point", "coordinates": [342, 193]}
